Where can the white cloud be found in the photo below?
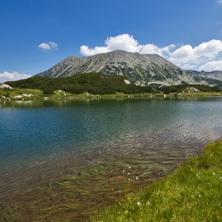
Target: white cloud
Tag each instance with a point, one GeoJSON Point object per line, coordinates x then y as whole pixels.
{"type": "Point", "coordinates": [85, 50]}
{"type": "Point", "coordinates": [211, 66]}
{"type": "Point", "coordinates": [123, 42]}
{"type": "Point", "coordinates": [127, 43]}
{"type": "Point", "coordinates": [7, 76]}
{"type": "Point", "coordinates": [188, 66]}
{"type": "Point", "coordinates": [153, 49]}
{"type": "Point", "coordinates": [182, 55]}
{"type": "Point", "coordinates": [208, 49]}
{"type": "Point", "coordinates": [53, 45]}
{"type": "Point", "coordinates": [185, 56]}
{"type": "Point", "coordinates": [219, 2]}
{"type": "Point", "coordinates": [48, 46]}
{"type": "Point", "coordinates": [205, 52]}
{"type": "Point", "coordinates": [44, 46]}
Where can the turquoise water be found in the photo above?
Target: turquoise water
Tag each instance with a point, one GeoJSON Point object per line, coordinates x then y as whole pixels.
{"type": "Point", "coordinates": [51, 132]}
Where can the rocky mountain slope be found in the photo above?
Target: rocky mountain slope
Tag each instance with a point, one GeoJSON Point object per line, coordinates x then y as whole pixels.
{"type": "Point", "coordinates": [213, 75]}
{"type": "Point", "coordinates": [140, 69]}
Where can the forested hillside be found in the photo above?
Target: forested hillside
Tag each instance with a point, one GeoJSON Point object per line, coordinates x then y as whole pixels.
{"type": "Point", "coordinates": [95, 83]}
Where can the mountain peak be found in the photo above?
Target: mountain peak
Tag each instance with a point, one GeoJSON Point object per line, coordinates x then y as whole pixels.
{"type": "Point", "coordinates": [140, 69]}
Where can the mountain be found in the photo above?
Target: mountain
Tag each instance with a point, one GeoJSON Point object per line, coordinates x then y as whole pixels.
{"type": "Point", "coordinates": [213, 75]}
{"type": "Point", "coordinates": [140, 69]}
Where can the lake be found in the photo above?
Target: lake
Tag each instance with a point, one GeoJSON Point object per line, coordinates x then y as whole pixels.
{"type": "Point", "coordinates": [43, 140]}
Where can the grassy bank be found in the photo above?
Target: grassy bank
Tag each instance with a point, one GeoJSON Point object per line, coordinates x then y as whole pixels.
{"type": "Point", "coordinates": [191, 193]}
{"type": "Point", "coordinates": [36, 94]}
{"type": "Point", "coordinates": [17, 94]}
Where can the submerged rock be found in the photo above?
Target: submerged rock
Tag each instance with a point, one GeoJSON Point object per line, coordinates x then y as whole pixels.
{"type": "Point", "coordinates": [116, 178]}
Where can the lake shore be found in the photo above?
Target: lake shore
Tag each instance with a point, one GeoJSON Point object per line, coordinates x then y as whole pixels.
{"type": "Point", "coordinates": [79, 192]}
{"type": "Point", "coordinates": [8, 95]}
{"type": "Point", "coordinates": [191, 193]}
{"type": "Point", "coordinates": [72, 181]}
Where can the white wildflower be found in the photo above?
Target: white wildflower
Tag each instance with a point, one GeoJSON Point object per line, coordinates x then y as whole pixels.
{"type": "Point", "coordinates": [128, 173]}
{"type": "Point", "coordinates": [199, 195]}
{"type": "Point", "coordinates": [123, 171]}
{"type": "Point", "coordinates": [129, 179]}
{"type": "Point", "coordinates": [130, 168]}
{"type": "Point", "coordinates": [138, 203]}
{"type": "Point", "coordinates": [214, 173]}
{"type": "Point", "coordinates": [137, 178]}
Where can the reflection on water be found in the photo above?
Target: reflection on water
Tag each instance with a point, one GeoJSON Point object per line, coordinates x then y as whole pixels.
{"type": "Point", "coordinates": [44, 139]}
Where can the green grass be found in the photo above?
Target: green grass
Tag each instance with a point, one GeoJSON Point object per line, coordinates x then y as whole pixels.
{"type": "Point", "coordinates": [192, 193]}
{"type": "Point", "coordinates": [200, 94]}
{"type": "Point", "coordinates": [11, 93]}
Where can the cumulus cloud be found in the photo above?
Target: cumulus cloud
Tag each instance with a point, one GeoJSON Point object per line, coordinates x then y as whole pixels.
{"type": "Point", "coordinates": [127, 43]}
{"type": "Point", "coordinates": [211, 66]}
{"type": "Point", "coordinates": [85, 50]}
{"type": "Point", "coordinates": [202, 57]}
{"type": "Point", "coordinates": [48, 46]}
{"type": "Point", "coordinates": [185, 56]}
{"type": "Point", "coordinates": [124, 42]}
{"type": "Point", "coordinates": [44, 46]}
{"type": "Point", "coordinates": [209, 49]}
{"type": "Point", "coordinates": [153, 49]}
{"type": "Point", "coordinates": [198, 55]}
{"type": "Point", "coordinates": [219, 2]}
{"type": "Point", "coordinates": [7, 76]}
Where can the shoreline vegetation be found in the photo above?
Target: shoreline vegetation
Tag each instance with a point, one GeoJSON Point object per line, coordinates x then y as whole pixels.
{"type": "Point", "coordinates": [190, 192]}
{"type": "Point", "coordinates": [95, 85]}
{"type": "Point", "coordinates": [16, 94]}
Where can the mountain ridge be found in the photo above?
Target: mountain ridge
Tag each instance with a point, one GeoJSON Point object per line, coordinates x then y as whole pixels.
{"type": "Point", "coordinates": [140, 69]}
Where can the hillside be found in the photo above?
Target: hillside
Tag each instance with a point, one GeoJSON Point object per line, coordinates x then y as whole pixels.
{"type": "Point", "coordinates": [95, 83]}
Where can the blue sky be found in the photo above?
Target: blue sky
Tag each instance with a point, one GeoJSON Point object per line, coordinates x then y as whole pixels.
{"type": "Point", "coordinates": [37, 34]}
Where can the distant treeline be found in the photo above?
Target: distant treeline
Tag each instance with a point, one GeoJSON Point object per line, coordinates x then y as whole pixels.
{"type": "Point", "coordinates": [95, 83]}
{"type": "Point", "coordinates": [186, 88]}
